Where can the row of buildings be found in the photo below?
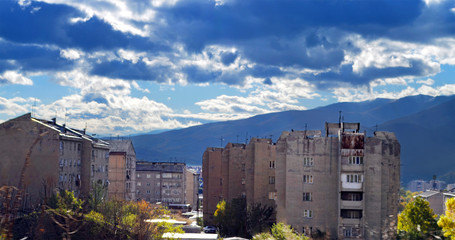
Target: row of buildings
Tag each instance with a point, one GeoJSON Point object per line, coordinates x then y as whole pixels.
{"type": "Point", "coordinates": [41, 156]}
{"type": "Point", "coordinates": [341, 185]}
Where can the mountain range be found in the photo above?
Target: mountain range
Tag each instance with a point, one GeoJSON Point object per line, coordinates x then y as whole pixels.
{"type": "Point", "coordinates": [424, 126]}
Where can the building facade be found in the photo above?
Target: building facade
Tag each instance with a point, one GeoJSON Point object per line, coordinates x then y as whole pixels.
{"type": "Point", "coordinates": [122, 170]}
{"type": "Point", "coordinates": [161, 182]}
{"type": "Point", "coordinates": [192, 188]}
{"type": "Point", "coordinates": [239, 170]}
{"type": "Point", "coordinates": [343, 185]}
{"type": "Point", "coordinates": [58, 157]}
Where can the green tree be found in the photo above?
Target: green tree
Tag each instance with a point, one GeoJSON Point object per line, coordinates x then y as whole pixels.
{"type": "Point", "coordinates": [68, 214]}
{"type": "Point", "coordinates": [280, 231]}
{"type": "Point", "coordinates": [417, 221]}
{"type": "Point", "coordinates": [258, 217]}
{"type": "Point", "coordinates": [235, 218]}
{"type": "Point", "coordinates": [447, 221]}
{"type": "Point", "coordinates": [97, 196]}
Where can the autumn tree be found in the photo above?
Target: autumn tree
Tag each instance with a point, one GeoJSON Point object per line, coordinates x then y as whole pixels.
{"type": "Point", "coordinates": [447, 221]}
{"type": "Point", "coordinates": [417, 221]}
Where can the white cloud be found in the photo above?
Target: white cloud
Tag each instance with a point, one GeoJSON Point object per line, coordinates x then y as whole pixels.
{"type": "Point", "coordinates": [429, 81]}
{"type": "Point", "coordinates": [71, 54]}
{"type": "Point", "coordinates": [15, 106]}
{"type": "Point", "coordinates": [365, 93]}
{"type": "Point", "coordinates": [11, 77]}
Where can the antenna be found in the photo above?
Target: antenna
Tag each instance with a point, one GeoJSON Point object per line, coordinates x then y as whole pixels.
{"type": "Point", "coordinates": [340, 117]}
{"type": "Point", "coordinates": [33, 108]}
{"type": "Point", "coordinates": [221, 139]}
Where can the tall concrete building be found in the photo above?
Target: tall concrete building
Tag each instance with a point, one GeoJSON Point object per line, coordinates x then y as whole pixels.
{"type": "Point", "coordinates": [343, 185]}
{"type": "Point", "coordinates": [161, 182]}
{"type": "Point", "coordinates": [122, 170]}
{"type": "Point", "coordinates": [192, 188]}
{"type": "Point", "coordinates": [59, 158]}
{"type": "Point", "coordinates": [239, 170]}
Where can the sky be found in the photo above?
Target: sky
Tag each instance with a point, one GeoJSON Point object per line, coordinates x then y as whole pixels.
{"type": "Point", "coordinates": [123, 67]}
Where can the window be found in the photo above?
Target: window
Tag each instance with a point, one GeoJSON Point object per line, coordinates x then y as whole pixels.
{"type": "Point", "coordinates": [221, 181]}
{"type": "Point", "coordinates": [149, 175]}
{"type": "Point", "coordinates": [353, 214]}
{"type": "Point", "coordinates": [148, 191]}
{"type": "Point", "coordinates": [308, 161]}
{"type": "Point", "coordinates": [272, 164]}
{"type": "Point", "coordinates": [271, 180]}
{"type": "Point", "coordinates": [243, 166]}
{"type": "Point", "coordinates": [356, 160]}
{"type": "Point", "coordinates": [158, 175]}
{"type": "Point", "coordinates": [307, 196]}
{"type": "Point", "coordinates": [307, 231]}
{"type": "Point", "coordinates": [308, 178]}
{"type": "Point", "coordinates": [347, 232]}
{"type": "Point", "coordinates": [351, 196]}
{"type": "Point", "coordinates": [167, 175]}
{"type": "Point", "coordinates": [78, 146]}
{"type": "Point", "coordinates": [354, 178]}
{"type": "Point", "coordinates": [139, 184]}
{"type": "Point", "coordinates": [243, 181]}
{"type": "Point", "coordinates": [307, 213]}
{"type": "Point", "coordinates": [272, 195]}
{"type": "Point", "coordinates": [148, 184]}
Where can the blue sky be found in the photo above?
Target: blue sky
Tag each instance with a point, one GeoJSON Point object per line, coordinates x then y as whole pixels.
{"type": "Point", "coordinates": [125, 67]}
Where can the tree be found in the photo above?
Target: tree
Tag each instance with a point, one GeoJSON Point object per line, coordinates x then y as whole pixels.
{"type": "Point", "coordinates": [235, 218]}
{"type": "Point", "coordinates": [68, 215]}
{"type": "Point", "coordinates": [97, 196]}
{"type": "Point", "coordinates": [258, 217]}
{"type": "Point", "coordinates": [280, 231]}
{"type": "Point", "coordinates": [417, 221]}
{"type": "Point", "coordinates": [447, 221]}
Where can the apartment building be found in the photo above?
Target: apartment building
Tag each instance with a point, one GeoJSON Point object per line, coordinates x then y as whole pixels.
{"type": "Point", "coordinates": [59, 157]}
{"type": "Point", "coordinates": [192, 188]}
{"type": "Point", "coordinates": [122, 170]}
{"type": "Point", "coordinates": [161, 182]}
{"type": "Point", "coordinates": [343, 185]}
{"type": "Point", "coordinates": [239, 170]}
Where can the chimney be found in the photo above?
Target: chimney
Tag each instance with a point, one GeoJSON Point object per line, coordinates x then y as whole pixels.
{"type": "Point", "coordinates": [54, 120]}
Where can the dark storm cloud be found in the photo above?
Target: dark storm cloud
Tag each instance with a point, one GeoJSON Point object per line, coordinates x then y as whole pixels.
{"type": "Point", "coordinates": [334, 78]}
{"type": "Point", "coordinates": [51, 25]}
{"type": "Point", "coordinates": [228, 57]}
{"type": "Point", "coordinates": [274, 36]}
{"type": "Point", "coordinates": [31, 58]}
{"type": "Point", "coordinates": [130, 71]}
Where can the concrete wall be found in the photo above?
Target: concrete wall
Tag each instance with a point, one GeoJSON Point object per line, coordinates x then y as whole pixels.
{"type": "Point", "coordinates": [117, 172]}
{"type": "Point", "coordinates": [16, 139]}
{"type": "Point", "coordinates": [292, 148]}
{"type": "Point", "coordinates": [211, 174]}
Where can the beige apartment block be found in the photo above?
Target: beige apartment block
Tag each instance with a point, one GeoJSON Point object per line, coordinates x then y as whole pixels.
{"type": "Point", "coordinates": [59, 157]}
{"type": "Point", "coordinates": [192, 188]}
{"type": "Point", "coordinates": [161, 182]}
{"type": "Point", "coordinates": [239, 170]}
{"type": "Point", "coordinates": [343, 185]}
{"type": "Point", "coordinates": [213, 182]}
{"type": "Point", "coordinates": [122, 170]}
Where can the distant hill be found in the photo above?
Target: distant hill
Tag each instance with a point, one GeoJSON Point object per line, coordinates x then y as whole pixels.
{"type": "Point", "coordinates": [422, 124]}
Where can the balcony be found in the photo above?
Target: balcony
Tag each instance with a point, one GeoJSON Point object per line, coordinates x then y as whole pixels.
{"type": "Point", "coordinates": [352, 167]}
{"type": "Point", "coordinates": [350, 221]}
{"type": "Point", "coordinates": [351, 204]}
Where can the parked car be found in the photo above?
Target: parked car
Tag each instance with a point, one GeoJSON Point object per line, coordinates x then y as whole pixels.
{"type": "Point", "coordinates": [210, 229]}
